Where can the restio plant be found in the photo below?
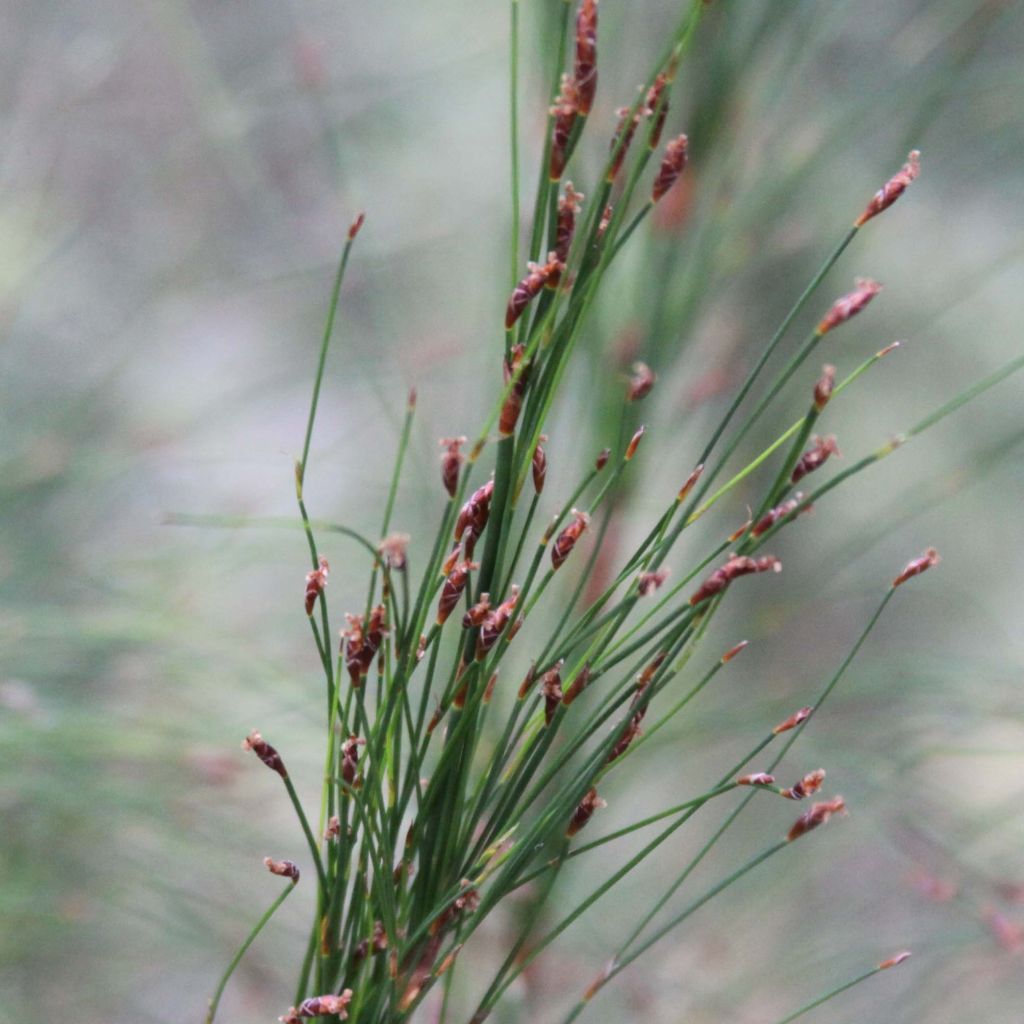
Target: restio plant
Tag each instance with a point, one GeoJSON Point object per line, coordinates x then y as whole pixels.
{"type": "Point", "coordinates": [472, 710]}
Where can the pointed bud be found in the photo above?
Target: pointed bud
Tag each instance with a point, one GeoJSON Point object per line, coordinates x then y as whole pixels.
{"type": "Point", "coordinates": [819, 814]}
{"type": "Point", "coordinates": [892, 189]}
{"type": "Point", "coordinates": [795, 719]}
{"type": "Point", "coordinates": [265, 752]}
{"type": "Point", "coordinates": [895, 961]}
{"type": "Point", "coordinates": [530, 287]}
{"type": "Point", "coordinates": [585, 64]}
{"type": "Point", "coordinates": [815, 457]}
{"type": "Point", "coordinates": [591, 802]}
{"type": "Point", "coordinates": [849, 305]}
{"type": "Point", "coordinates": [451, 461]}
{"type": "Point", "coordinates": [733, 651]}
{"type": "Point", "coordinates": [454, 585]}
{"type": "Point", "coordinates": [567, 539]}
{"type": "Point", "coordinates": [917, 566]}
{"type": "Point", "coordinates": [628, 123]}
{"type": "Point", "coordinates": [690, 483]}
{"type": "Point", "coordinates": [602, 459]}
{"type": "Point", "coordinates": [641, 382]}
{"type": "Point", "coordinates": [577, 686]}
{"type": "Point", "coordinates": [659, 114]}
{"type": "Point", "coordinates": [823, 389]}
{"type": "Point", "coordinates": [551, 691]}
{"type": "Point", "coordinates": [672, 166]}
{"type": "Point", "coordinates": [564, 112]}
{"type": "Point", "coordinates": [354, 227]}
{"type": "Point", "coordinates": [772, 516]}
{"type": "Point", "coordinates": [315, 583]}
{"type": "Point", "coordinates": [517, 373]}
{"type": "Point", "coordinates": [494, 624]}
{"type": "Point", "coordinates": [807, 786]}
{"type": "Point", "coordinates": [634, 443]}
{"type": "Point", "coordinates": [649, 582]}
{"type": "Point", "coordinates": [539, 465]}
{"type": "Point", "coordinates": [284, 868]}
{"type": "Point", "coordinates": [736, 566]}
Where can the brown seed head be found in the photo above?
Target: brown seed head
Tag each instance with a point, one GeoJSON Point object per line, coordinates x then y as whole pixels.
{"type": "Point", "coordinates": [551, 691]}
{"type": "Point", "coordinates": [284, 868]}
{"type": "Point", "coordinates": [622, 138]}
{"type": "Point", "coordinates": [817, 815]}
{"type": "Point", "coordinates": [451, 462]}
{"type": "Point", "coordinates": [454, 585]}
{"type": "Point", "coordinates": [350, 759]}
{"type": "Point", "coordinates": [772, 516]}
{"type": "Point", "coordinates": [315, 583]}
{"type": "Point", "coordinates": [672, 166]}
{"type": "Point", "coordinates": [849, 305]}
{"type": "Point", "coordinates": [634, 443]}
{"type": "Point", "coordinates": [822, 448]}
{"type": "Point", "coordinates": [895, 961]}
{"type": "Point", "coordinates": [807, 786]}
{"type": "Point", "coordinates": [530, 287]}
{"type": "Point", "coordinates": [517, 373]}
{"type": "Point", "coordinates": [265, 752]}
{"type": "Point", "coordinates": [658, 114]}
{"type": "Point", "coordinates": [602, 459]}
{"type": "Point", "coordinates": [494, 624]}
{"type": "Point", "coordinates": [736, 566]}
{"type": "Point", "coordinates": [539, 465]}
{"type": "Point", "coordinates": [585, 64]}
{"type": "Point", "coordinates": [577, 686]}
{"type": "Point", "coordinates": [892, 189]}
{"type": "Point", "coordinates": [353, 228]}
{"type": "Point", "coordinates": [591, 802]}
{"type": "Point", "coordinates": [917, 566]}
{"type": "Point", "coordinates": [564, 111]}
{"type": "Point", "coordinates": [795, 719]}
{"type": "Point", "coordinates": [567, 539]}
{"type": "Point", "coordinates": [690, 483]}
{"type": "Point", "coordinates": [823, 389]}
{"type": "Point", "coordinates": [641, 382]}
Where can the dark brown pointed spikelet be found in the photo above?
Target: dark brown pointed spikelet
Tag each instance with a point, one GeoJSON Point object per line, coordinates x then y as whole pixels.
{"type": "Point", "coordinates": [628, 734]}
{"type": "Point", "coordinates": [602, 459]}
{"type": "Point", "coordinates": [551, 691]}
{"type": "Point", "coordinates": [315, 583]}
{"type": "Point", "coordinates": [477, 613]}
{"type": "Point", "coordinates": [649, 582]}
{"type": "Point", "coordinates": [474, 514]}
{"type": "Point", "coordinates": [772, 516]}
{"type": "Point", "coordinates": [564, 112]}
{"type": "Point", "coordinates": [320, 1006]}
{"type": "Point", "coordinates": [530, 287]}
{"type": "Point", "coordinates": [265, 752]}
{"type": "Point", "coordinates": [655, 96]}
{"type": "Point", "coordinates": [567, 539]}
{"type": "Point", "coordinates": [807, 786]}
{"type": "Point", "coordinates": [917, 566]}
{"type": "Point", "coordinates": [454, 585]}
{"type": "Point", "coordinates": [849, 305]}
{"type": "Point", "coordinates": [629, 121]}
{"type": "Point", "coordinates": [892, 189]}
{"type": "Point", "coordinates": [578, 685]}
{"type": "Point", "coordinates": [591, 802]}
{"type": "Point", "coordinates": [736, 566]}
{"type": "Point", "coordinates": [795, 719]}
{"type": "Point", "coordinates": [733, 651]}
{"type": "Point", "coordinates": [823, 388]}
{"type": "Point", "coordinates": [640, 383]}
{"type": "Point", "coordinates": [634, 443]}
{"type": "Point", "coordinates": [284, 868]}
{"type": "Point", "coordinates": [817, 815]}
{"type": "Point", "coordinates": [672, 166]}
{"type": "Point", "coordinates": [822, 448]}
{"type": "Point", "coordinates": [516, 374]}
{"type": "Point", "coordinates": [494, 624]}
{"type": "Point", "coordinates": [350, 759]}
{"type": "Point", "coordinates": [756, 779]}
{"type": "Point", "coordinates": [353, 228]}
{"type": "Point", "coordinates": [568, 209]}
{"type": "Point", "coordinates": [689, 484]}
{"type": "Point", "coordinates": [585, 63]}
{"type": "Point", "coordinates": [539, 465]}
{"type": "Point", "coordinates": [451, 462]}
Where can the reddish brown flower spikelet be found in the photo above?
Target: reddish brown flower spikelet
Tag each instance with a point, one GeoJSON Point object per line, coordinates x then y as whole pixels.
{"type": "Point", "coordinates": [551, 691]}
{"type": "Point", "coordinates": [622, 138]}
{"type": "Point", "coordinates": [362, 641]}
{"type": "Point", "coordinates": [817, 815]}
{"type": "Point", "coordinates": [807, 786]}
{"type": "Point", "coordinates": [333, 830]}
{"type": "Point", "coordinates": [849, 305]}
{"type": "Point", "coordinates": [454, 585]}
{"type": "Point", "coordinates": [284, 868]}
{"type": "Point", "coordinates": [527, 684]}
{"type": "Point", "coordinates": [265, 752]}
{"type": "Point", "coordinates": [823, 389]}
{"type": "Point", "coordinates": [736, 566]}
{"type": "Point", "coordinates": [394, 549]}
{"type": "Point", "coordinates": [895, 961]}
{"type": "Point", "coordinates": [477, 613]}
{"type": "Point", "coordinates": [649, 582]}
{"type": "Point", "coordinates": [513, 368]}
{"type": "Point", "coordinates": [795, 719]}
{"type": "Point", "coordinates": [628, 734]}
{"type": "Point", "coordinates": [451, 462]}
{"type": "Point", "coordinates": [672, 166]}
{"type": "Point", "coordinates": [489, 688]}
{"type": "Point", "coordinates": [315, 583]}
{"type": "Point", "coordinates": [644, 677]}
{"type": "Point", "coordinates": [892, 189]}
{"type": "Point", "coordinates": [577, 686]}
{"type": "Point", "coordinates": [320, 1006]}
{"type": "Point", "coordinates": [564, 111]}
{"type": "Point", "coordinates": [350, 759]}
{"type": "Point", "coordinates": [690, 483]}
{"type": "Point", "coordinates": [585, 64]}
{"type": "Point", "coordinates": [654, 97]}
{"type": "Point", "coordinates": [606, 219]}
{"type": "Point", "coordinates": [584, 811]}
{"type": "Point", "coordinates": [641, 382]}
{"type": "Point", "coordinates": [634, 443]}
{"type": "Point", "coordinates": [568, 208]}
{"type": "Point", "coordinates": [822, 448]}
{"type": "Point", "coordinates": [354, 227]}
{"type": "Point", "coordinates": [539, 466]}
{"type": "Point", "coordinates": [474, 514]}
{"type": "Point", "coordinates": [602, 459]}
{"type": "Point", "coordinates": [733, 651]}
{"type": "Point", "coordinates": [494, 624]}
{"type": "Point", "coordinates": [530, 287]}
{"type": "Point", "coordinates": [756, 779]}
{"type": "Point", "coordinates": [917, 566]}
{"type": "Point", "coordinates": [567, 539]}
{"type": "Point", "coordinates": [772, 516]}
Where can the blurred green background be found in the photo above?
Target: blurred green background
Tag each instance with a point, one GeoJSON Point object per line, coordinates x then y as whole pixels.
{"type": "Point", "coordinates": [175, 181]}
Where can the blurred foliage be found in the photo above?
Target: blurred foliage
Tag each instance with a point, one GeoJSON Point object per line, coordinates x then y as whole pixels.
{"type": "Point", "coordinates": [176, 179]}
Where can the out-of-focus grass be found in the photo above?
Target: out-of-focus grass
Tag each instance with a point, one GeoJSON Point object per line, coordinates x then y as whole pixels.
{"type": "Point", "coordinates": [176, 178]}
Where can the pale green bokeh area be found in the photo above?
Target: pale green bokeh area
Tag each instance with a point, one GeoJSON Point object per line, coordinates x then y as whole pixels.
{"type": "Point", "coordinates": [175, 182]}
